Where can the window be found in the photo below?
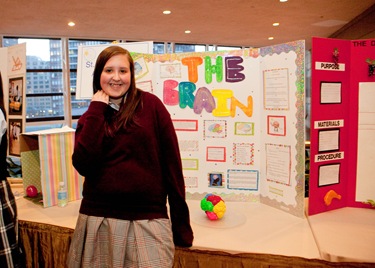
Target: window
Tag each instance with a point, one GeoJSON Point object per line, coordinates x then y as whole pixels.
{"type": "Point", "coordinates": [159, 48]}
{"type": "Point", "coordinates": [221, 48]}
{"type": "Point", "coordinates": [44, 83]}
{"type": "Point", "coordinates": [44, 80]}
{"type": "Point", "coordinates": [189, 48]}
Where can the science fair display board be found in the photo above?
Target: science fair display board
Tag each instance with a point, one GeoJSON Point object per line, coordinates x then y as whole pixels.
{"type": "Point", "coordinates": [13, 73]}
{"type": "Point", "coordinates": [342, 170]}
{"type": "Point", "coordinates": [239, 118]}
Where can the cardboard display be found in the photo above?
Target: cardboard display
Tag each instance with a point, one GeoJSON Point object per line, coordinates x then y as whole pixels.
{"type": "Point", "coordinates": [342, 124]}
{"type": "Point", "coordinates": [239, 118]}
{"type": "Point", "coordinates": [13, 73]}
{"type": "Point", "coordinates": [46, 158]}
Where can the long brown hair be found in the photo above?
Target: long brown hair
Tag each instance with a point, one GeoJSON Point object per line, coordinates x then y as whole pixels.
{"type": "Point", "coordinates": [126, 116]}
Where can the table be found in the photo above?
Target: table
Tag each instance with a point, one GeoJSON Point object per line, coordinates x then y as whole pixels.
{"type": "Point", "coordinates": [346, 234]}
{"type": "Point", "coordinates": [267, 237]}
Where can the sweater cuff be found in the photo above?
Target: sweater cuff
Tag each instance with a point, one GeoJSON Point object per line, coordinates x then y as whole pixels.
{"type": "Point", "coordinates": [183, 239]}
{"type": "Point", "coordinates": [97, 107]}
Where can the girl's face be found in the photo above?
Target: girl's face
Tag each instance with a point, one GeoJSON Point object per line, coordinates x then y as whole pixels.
{"type": "Point", "coordinates": [115, 77]}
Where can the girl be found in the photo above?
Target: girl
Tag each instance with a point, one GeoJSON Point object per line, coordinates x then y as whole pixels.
{"type": "Point", "coordinates": [127, 149]}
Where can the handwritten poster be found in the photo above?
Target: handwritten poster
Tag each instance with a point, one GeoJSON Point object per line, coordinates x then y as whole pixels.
{"type": "Point", "coordinates": [278, 163]}
{"type": "Point", "coordinates": [276, 88]}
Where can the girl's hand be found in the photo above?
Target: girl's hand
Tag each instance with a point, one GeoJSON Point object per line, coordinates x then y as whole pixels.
{"type": "Point", "coordinates": [100, 95]}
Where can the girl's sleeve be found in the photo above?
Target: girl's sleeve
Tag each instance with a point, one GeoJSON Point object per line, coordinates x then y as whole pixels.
{"type": "Point", "coordinates": [172, 168]}
{"type": "Point", "coordinates": [89, 139]}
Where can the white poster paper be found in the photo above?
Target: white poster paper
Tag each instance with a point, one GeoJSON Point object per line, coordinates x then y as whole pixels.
{"type": "Point", "coordinates": [330, 92]}
{"type": "Point", "coordinates": [276, 89]}
{"type": "Point", "coordinates": [366, 143]}
{"type": "Point", "coordinates": [329, 140]}
{"type": "Point", "coordinates": [329, 174]}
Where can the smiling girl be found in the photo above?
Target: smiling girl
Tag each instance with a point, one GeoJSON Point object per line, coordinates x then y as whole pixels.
{"type": "Point", "coordinates": [127, 149]}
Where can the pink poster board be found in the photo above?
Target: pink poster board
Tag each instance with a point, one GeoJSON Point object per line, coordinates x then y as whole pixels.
{"type": "Point", "coordinates": [338, 68]}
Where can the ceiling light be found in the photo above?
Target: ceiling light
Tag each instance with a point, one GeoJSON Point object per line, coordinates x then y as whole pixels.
{"type": "Point", "coordinates": [71, 24]}
{"type": "Point", "coordinates": [167, 12]}
{"type": "Point", "coordinates": [187, 31]}
{"type": "Point", "coordinates": [270, 38]}
{"type": "Point", "coordinates": [276, 24]}
{"type": "Point", "coordinates": [283, 1]}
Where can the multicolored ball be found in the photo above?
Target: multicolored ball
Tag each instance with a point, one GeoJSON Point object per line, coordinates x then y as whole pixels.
{"type": "Point", "coordinates": [213, 206]}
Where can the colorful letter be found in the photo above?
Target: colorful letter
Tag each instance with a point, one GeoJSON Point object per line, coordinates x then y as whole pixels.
{"type": "Point", "coordinates": [247, 110]}
{"type": "Point", "coordinates": [233, 69]}
{"type": "Point", "coordinates": [213, 69]}
{"type": "Point", "coordinates": [203, 99]}
{"type": "Point", "coordinates": [192, 63]}
{"type": "Point", "coordinates": [222, 96]}
{"type": "Point", "coordinates": [170, 95]}
{"type": "Point", "coordinates": [185, 90]}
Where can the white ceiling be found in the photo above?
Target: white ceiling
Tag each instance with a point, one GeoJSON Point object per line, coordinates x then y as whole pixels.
{"type": "Point", "coordinates": [245, 23]}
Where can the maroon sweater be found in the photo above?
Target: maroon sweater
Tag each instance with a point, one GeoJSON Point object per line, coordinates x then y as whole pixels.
{"type": "Point", "coordinates": [131, 175]}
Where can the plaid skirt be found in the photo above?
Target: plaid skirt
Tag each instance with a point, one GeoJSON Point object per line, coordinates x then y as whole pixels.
{"type": "Point", "coordinates": [10, 254]}
{"type": "Point", "coordinates": [107, 242]}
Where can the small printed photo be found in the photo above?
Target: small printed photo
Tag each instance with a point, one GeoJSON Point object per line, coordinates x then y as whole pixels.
{"type": "Point", "coordinates": [15, 96]}
{"type": "Point", "coordinates": [14, 132]}
{"type": "Point", "coordinates": [215, 179]}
